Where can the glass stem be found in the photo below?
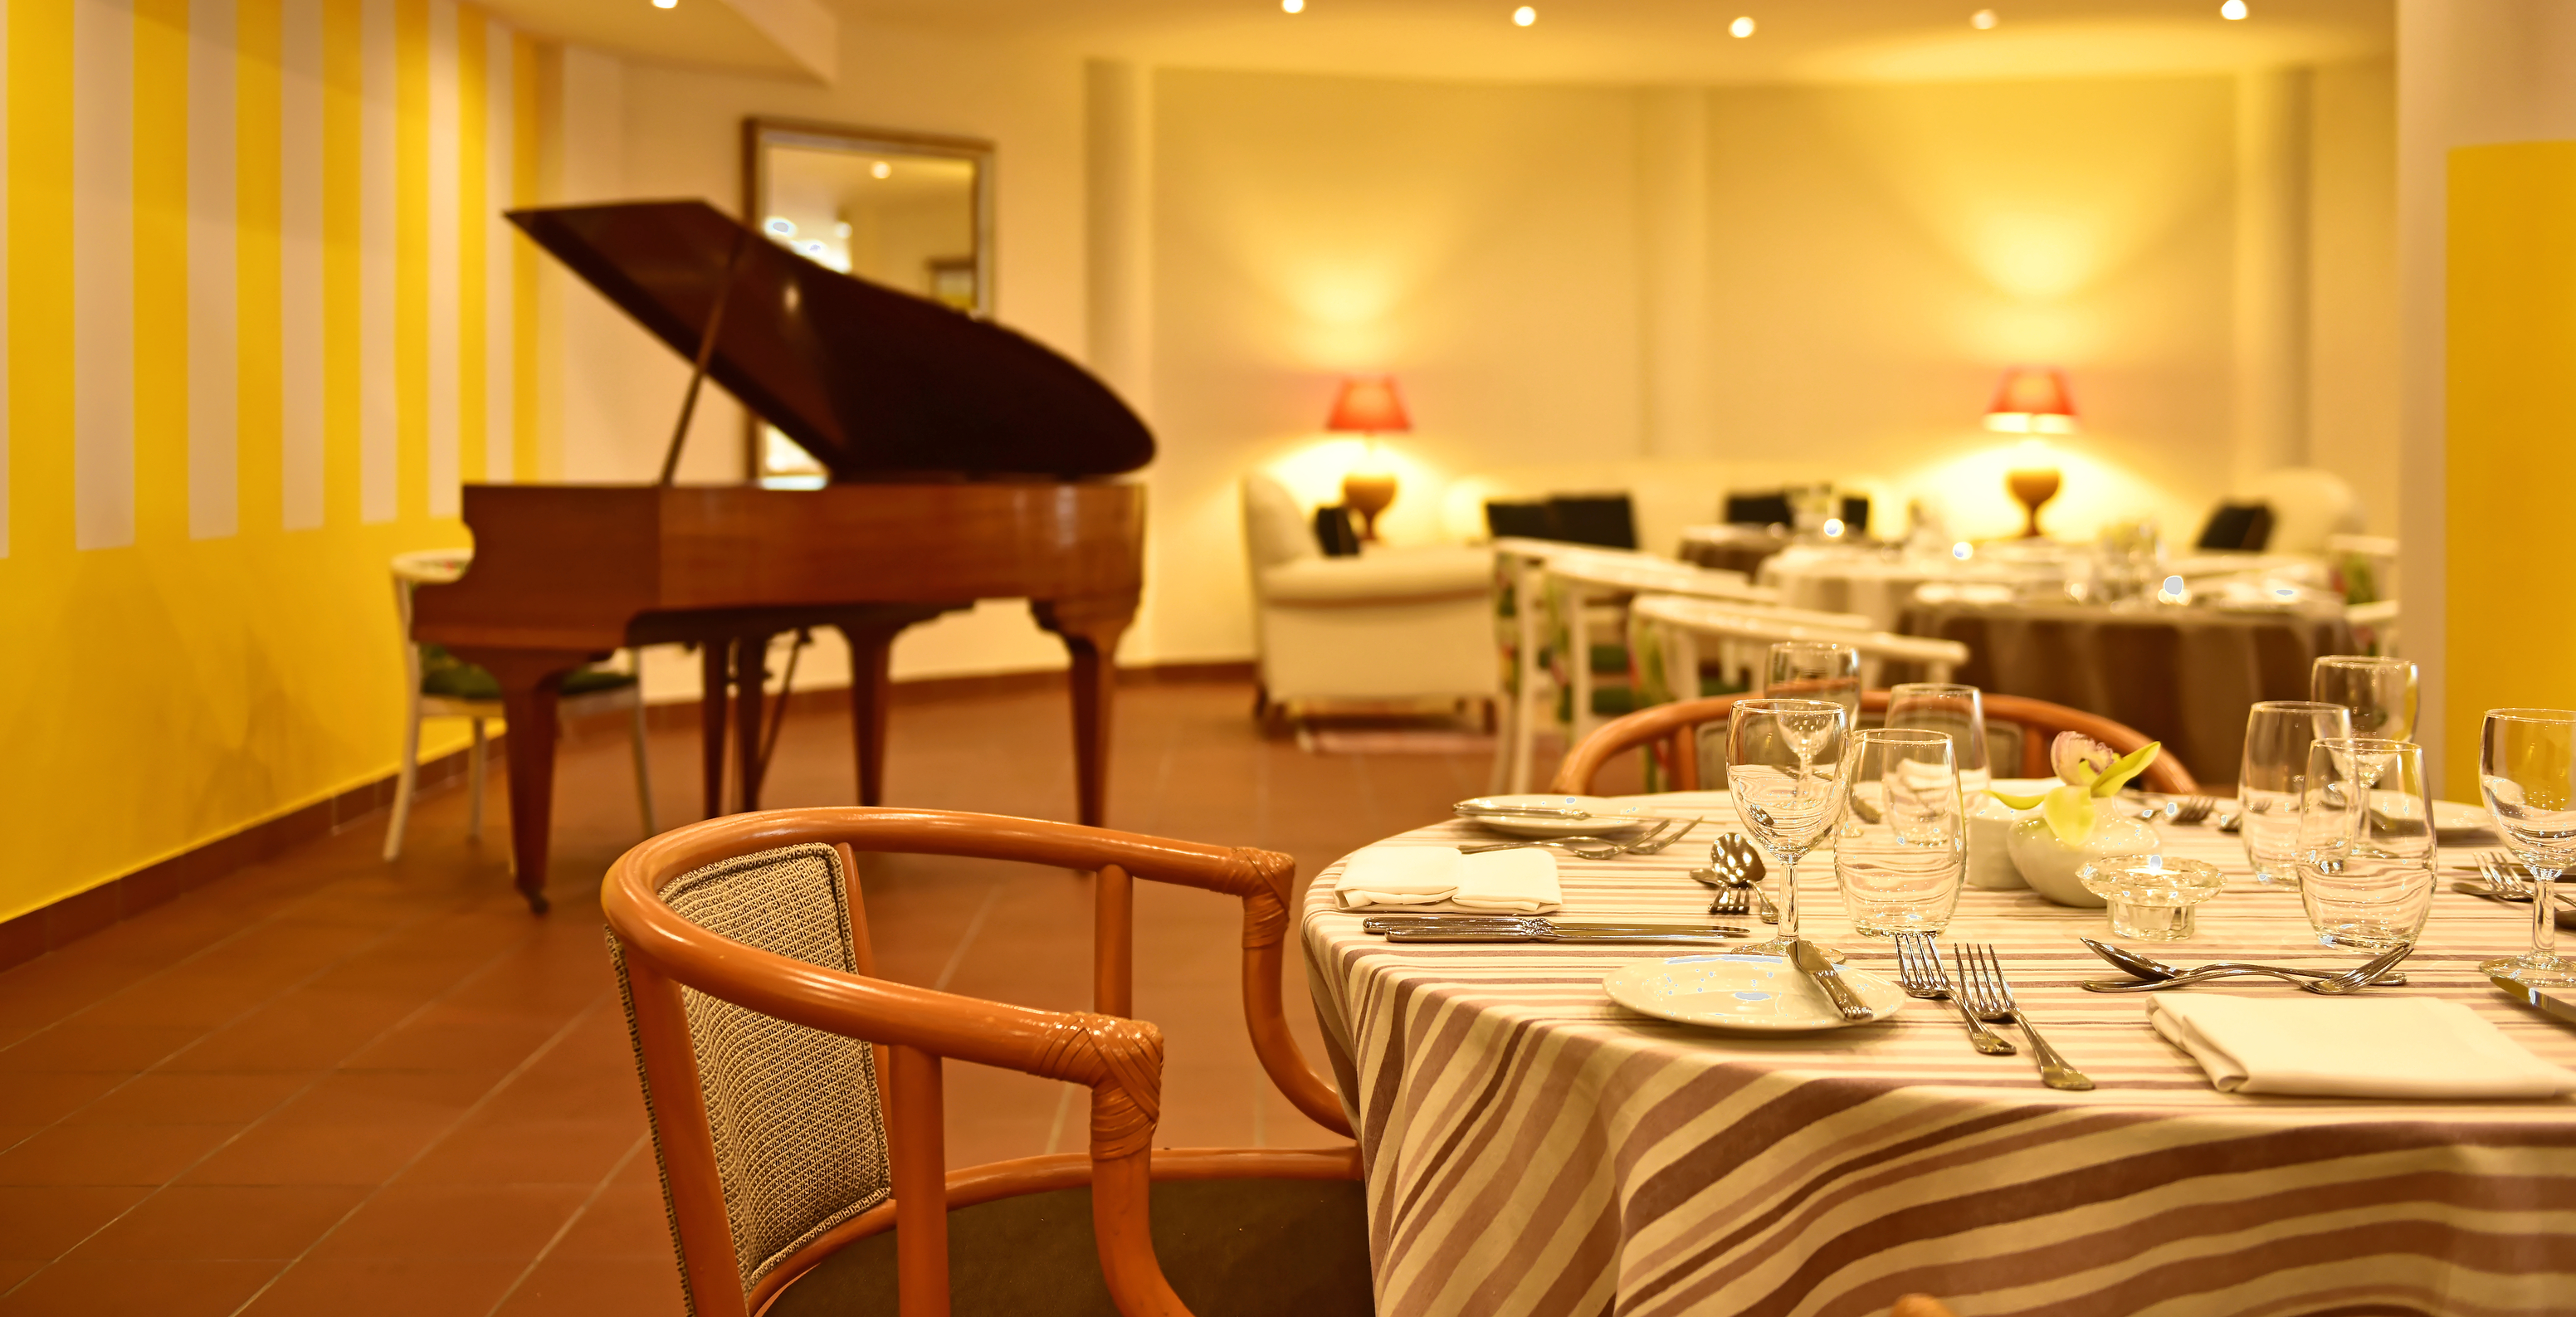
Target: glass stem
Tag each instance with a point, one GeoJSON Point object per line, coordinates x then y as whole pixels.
{"type": "Point", "coordinates": [1788, 898]}
{"type": "Point", "coordinates": [2544, 914]}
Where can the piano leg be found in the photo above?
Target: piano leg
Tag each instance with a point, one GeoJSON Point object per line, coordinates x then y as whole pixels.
{"type": "Point", "coordinates": [715, 686]}
{"type": "Point", "coordinates": [871, 690]}
{"type": "Point", "coordinates": [1090, 629]}
{"type": "Point", "coordinates": [530, 682]}
{"type": "Point", "coordinates": [750, 674]}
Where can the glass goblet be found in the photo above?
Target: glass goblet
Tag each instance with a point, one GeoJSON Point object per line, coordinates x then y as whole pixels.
{"type": "Point", "coordinates": [1816, 670]}
{"type": "Point", "coordinates": [2379, 691]}
{"type": "Point", "coordinates": [2273, 776]}
{"type": "Point", "coordinates": [1784, 761]}
{"type": "Point", "coordinates": [2527, 773]}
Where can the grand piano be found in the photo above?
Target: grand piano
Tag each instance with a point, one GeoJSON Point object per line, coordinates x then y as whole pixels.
{"type": "Point", "coordinates": [967, 462]}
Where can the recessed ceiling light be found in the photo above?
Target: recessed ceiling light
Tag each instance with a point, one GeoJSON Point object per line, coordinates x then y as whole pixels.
{"type": "Point", "coordinates": [2233, 9]}
{"type": "Point", "coordinates": [881, 169]}
{"type": "Point", "coordinates": [666, 4]}
{"type": "Point", "coordinates": [1742, 27]}
{"type": "Point", "coordinates": [780, 225]}
{"type": "Point", "coordinates": [1984, 20]}
{"type": "Point", "coordinates": [1293, 6]}
{"type": "Point", "coordinates": [1524, 16]}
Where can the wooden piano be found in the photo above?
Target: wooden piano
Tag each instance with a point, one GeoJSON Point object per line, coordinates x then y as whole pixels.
{"type": "Point", "coordinates": [967, 463]}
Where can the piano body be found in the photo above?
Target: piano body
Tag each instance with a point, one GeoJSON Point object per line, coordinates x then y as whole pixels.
{"type": "Point", "coordinates": [967, 463]}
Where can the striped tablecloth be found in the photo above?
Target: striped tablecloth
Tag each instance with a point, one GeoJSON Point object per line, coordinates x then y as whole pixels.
{"type": "Point", "coordinates": [1533, 1148]}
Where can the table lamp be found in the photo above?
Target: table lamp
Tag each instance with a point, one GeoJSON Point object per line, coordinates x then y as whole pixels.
{"type": "Point", "coordinates": [1368, 407]}
{"type": "Point", "coordinates": [2032, 401]}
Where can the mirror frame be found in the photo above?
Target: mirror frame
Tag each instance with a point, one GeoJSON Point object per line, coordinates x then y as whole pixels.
{"type": "Point", "coordinates": [761, 132]}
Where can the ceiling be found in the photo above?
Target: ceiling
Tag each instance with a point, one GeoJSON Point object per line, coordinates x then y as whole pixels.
{"type": "Point", "coordinates": [777, 38]}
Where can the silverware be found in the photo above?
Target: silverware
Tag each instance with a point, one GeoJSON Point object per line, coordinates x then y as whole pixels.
{"type": "Point", "coordinates": [1737, 864]}
{"type": "Point", "coordinates": [2178, 809]}
{"type": "Point", "coordinates": [1657, 843]}
{"type": "Point", "coordinates": [1734, 902]}
{"type": "Point", "coordinates": [1919, 972]}
{"type": "Point", "coordinates": [2548, 1003]}
{"type": "Point", "coordinates": [1541, 930]}
{"type": "Point", "coordinates": [2231, 822]}
{"type": "Point", "coordinates": [1589, 848]}
{"type": "Point", "coordinates": [2147, 967]}
{"type": "Point", "coordinates": [1990, 996]}
{"type": "Point", "coordinates": [1382, 924]}
{"type": "Point", "coordinates": [2365, 975]}
{"type": "Point", "coordinates": [1466, 810]}
{"type": "Point", "coordinates": [1821, 971]}
{"type": "Point", "coordinates": [2513, 882]}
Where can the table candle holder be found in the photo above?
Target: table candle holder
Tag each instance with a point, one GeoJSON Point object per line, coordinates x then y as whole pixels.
{"type": "Point", "coordinates": [2152, 897]}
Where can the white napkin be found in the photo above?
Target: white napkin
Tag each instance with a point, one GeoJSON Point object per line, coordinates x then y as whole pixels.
{"type": "Point", "coordinates": [1516, 881]}
{"type": "Point", "coordinates": [2384, 1047]}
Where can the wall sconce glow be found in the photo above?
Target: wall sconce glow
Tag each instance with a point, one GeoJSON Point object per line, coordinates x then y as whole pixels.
{"type": "Point", "coordinates": [881, 170]}
{"type": "Point", "coordinates": [1963, 551]}
{"type": "Point", "coordinates": [1293, 6]}
{"type": "Point", "coordinates": [1524, 16]}
{"type": "Point", "coordinates": [1742, 27]}
{"type": "Point", "coordinates": [779, 226]}
{"type": "Point", "coordinates": [2232, 10]}
{"type": "Point", "coordinates": [1984, 20]}
{"type": "Point", "coordinates": [2032, 400]}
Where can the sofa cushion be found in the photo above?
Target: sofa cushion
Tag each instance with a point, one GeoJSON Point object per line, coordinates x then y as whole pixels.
{"type": "Point", "coordinates": [1334, 533]}
{"type": "Point", "coordinates": [1274, 531]}
{"type": "Point", "coordinates": [1382, 577]}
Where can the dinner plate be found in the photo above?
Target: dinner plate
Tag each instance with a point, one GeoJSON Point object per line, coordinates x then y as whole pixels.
{"type": "Point", "coordinates": [1608, 816]}
{"type": "Point", "coordinates": [1744, 993]}
{"type": "Point", "coordinates": [2453, 819]}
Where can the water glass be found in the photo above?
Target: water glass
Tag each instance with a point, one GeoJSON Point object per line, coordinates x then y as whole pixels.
{"type": "Point", "coordinates": [1816, 670]}
{"type": "Point", "coordinates": [2527, 773]}
{"type": "Point", "coordinates": [2365, 850]}
{"type": "Point", "coordinates": [2275, 772]}
{"type": "Point", "coordinates": [1901, 849]}
{"type": "Point", "coordinates": [1784, 762]}
{"type": "Point", "coordinates": [2379, 691]}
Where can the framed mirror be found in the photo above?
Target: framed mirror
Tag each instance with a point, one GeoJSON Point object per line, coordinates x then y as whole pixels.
{"type": "Point", "coordinates": [909, 211]}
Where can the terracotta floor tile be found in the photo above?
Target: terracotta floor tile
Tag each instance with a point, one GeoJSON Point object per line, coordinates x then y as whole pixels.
{"type": "Point", "coordinates": [41, 1222]}
{"type": "Point", "coordinates": [387, 1287]}
{"type": "Point", "coordinates": [455, 1221]}
{"type": "Point", "coordinates": [387, 1097]}
{"type": "Point", "coordinates": [626, 1223]}
{"type": "Point", "coordinates": [109, 1154]}
{"type": "Point", "coordinates": [168, 1097]}
{"type": "Point", "coordinates": [225, 1221]}
{"type": "Point", "coordinates": [41, 1099]}
{"type": "Point", "coordinates": [72, 1047]}
{"type": "Point", "coordinates": [120, 1287]}
{"type": "Point", "coordinates": [598, 1287]}
{"type": "Point", "coordinates": [528, 1152]}
{"type": "Point", "coordinates": [278, 1152]}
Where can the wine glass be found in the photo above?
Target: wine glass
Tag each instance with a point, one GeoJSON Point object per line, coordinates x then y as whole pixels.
{"type": "Point", "coordinates": [1816, 670]}
{"type": "Point", "coordinates": [1901, 850]}
{"type": "Point", "coordinates": [2527, 772]}
{"type": "Point", "coordinates": [1784, 761]}
{"type": "Point", "coordinates": [2365, 848]}
{"type": "Point", "coordinates": [1959, 712]}
{"type": "Point", "coordinates": [2379, 691]}
{"type": "Point", "coordinates": [2274, 775]}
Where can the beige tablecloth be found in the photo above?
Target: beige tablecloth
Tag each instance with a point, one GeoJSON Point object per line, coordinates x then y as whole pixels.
{"type": "Point", "coordinates": [1730, 548]}
{"type": "Point", "coordinates": [1534, 1148]}
{"type": "Point", "coordinates": [2181, 675]}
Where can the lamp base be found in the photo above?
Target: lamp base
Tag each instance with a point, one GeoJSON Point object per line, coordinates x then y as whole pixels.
{"type": "Point", "coordinates": [2032, 489]}
{"type": "Point", "coordinates": [1368, 495]}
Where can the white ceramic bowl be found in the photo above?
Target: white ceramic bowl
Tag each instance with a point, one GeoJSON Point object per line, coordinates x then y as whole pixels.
{"type": "Point", "coordinates": [2049, 865]}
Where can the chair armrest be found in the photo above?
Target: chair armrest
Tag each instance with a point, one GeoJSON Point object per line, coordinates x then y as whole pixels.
{"type": "Point", "coordinates": [1395, 577]}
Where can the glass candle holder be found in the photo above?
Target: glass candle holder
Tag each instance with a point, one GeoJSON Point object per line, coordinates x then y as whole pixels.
{"type": "Point", "coordinates": [2152, 897]}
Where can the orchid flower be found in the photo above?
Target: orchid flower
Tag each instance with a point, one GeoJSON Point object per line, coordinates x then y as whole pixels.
{"type": "Point", "coordinates": [2089, 771]}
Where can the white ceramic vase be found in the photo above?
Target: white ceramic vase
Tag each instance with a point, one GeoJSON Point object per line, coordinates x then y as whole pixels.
{"type": "Point", "coordinates": [2049, 865]}
{"type": "Point", "coordinates": [1990, 861]}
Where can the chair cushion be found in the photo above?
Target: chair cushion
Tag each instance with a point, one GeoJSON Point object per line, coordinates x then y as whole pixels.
{"type": "Point", "coordinates": [442, 673]}
{"type": "Point", "coordinates": [1432, 571]}
{"type": "Point", "coordinates": [1243, 1248]}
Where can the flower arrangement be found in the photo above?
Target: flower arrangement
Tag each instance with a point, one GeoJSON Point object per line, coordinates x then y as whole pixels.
{"type": "Point", "coordinates": [2089, 771]}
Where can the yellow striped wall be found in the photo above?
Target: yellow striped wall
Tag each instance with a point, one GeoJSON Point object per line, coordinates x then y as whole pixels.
{"type": "Point", "coordinates": [2510, 454]}
{"type": "Point", "coordinates": [261, 319]}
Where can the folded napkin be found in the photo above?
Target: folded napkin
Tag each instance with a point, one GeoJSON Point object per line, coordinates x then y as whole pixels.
{"type": "Point", "coordinates": [2384, 1047]}
{"type": "Point", "coordinates": [1514, 881]}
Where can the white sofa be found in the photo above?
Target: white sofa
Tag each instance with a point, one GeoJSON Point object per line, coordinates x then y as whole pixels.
{"type": "Point", "coordinates": [1389, 624]}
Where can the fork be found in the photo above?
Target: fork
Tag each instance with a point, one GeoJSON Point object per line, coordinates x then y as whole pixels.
{"type": "Point", "coordinates": [2179, 809]}
{"type": "Point", "coordinates": [2514, 886]}
{"type": "Point", "coordinates": [1990, 996]}
{"type": "Point", "coordinates": [1655, 842]}
{"type": "Point", "coordinates": [1589, 848]}
{"type": "Point", "coordinates": [1732, 901]}
{"type": "Point", "coordinates": [1918, 971]}
{"type": "Point", "coordinates": [1737, 864]}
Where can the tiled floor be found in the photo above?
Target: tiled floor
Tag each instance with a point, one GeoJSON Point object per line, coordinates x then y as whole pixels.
{"type": "Point", "coordinates": [328, 1084]}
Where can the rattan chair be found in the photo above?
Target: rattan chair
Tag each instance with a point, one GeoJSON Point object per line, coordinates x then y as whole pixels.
{"type": "Point", "coordinates": [760, 1032]}
{"type": "Point", "coordinates": [1673, 729]}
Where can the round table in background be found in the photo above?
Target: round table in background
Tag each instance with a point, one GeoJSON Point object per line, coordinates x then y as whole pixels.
{"type": "Point", "coordinates": [1881, 586]}
{"type": "Point", "coordinates": [1534, 1148]}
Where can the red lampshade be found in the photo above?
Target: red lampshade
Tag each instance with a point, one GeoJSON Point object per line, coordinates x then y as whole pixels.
{"type": "Point", "coordinates": [2032, 400]}
{"type": "Point", "coordinates": [1369, 406]}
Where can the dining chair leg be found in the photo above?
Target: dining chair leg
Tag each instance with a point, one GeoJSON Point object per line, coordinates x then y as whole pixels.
{"type": "Point", "coordinates": [643, 769]}
{"type": "Point", "coordinates": [1503, 720]}
{"type": "Point", "coordinates": [405, 781]}
{"type": "Point", "coordinates": [474, 762]}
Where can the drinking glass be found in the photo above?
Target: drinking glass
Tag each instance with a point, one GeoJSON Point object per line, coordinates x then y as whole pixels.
{"type": "Point", "coordinates": [1816, 670]}
{"type": "Point", "coordinates": [1901, 849]}
{"type": "Point", "coordinates": [2365, 847]}
{"type": "Point", "coordinates": [2527, 772]}
{"type": "Point", "coordinates": [1784, 762]}
{"type": "Point", "coordinates": [1956, 711]}
{"type": "Point", "coordinates": [2275, 772]}
{"type": "Point", "coordinates": [2379, 691]}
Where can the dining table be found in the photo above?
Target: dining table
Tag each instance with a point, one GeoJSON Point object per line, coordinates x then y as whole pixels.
{"type": "Point", "coordinates": [1532, 1147]}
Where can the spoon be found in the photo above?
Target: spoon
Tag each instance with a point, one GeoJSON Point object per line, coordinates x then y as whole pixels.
{"type": "Point", "coordinates": [2337, 985]}
{"type": "Point", "coordinates": [2148, 967]}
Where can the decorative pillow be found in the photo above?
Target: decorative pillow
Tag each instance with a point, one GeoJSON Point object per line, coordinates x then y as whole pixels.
{"type": "Point", "coordinates": [1528, 521]}
{"type": "Point", "coordinates": [2246, 526]}
{"type": "Point", "coordinates": [1334, 533]}
{"type": "Point", "coordinates": [1770, 509]}
{"type": "Point", "coordinates": [1855, 514]}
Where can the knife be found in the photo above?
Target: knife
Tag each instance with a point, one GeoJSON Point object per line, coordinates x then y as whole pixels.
{"type": "Point", "coordinates": [1390, 923]}
{"type": "Point", "coordinates": [2548, 1003]}
{"type": "Point", "coordinates": [1539, 930]}
{"type": "Point", "coordinates": [1520, 812]}
{"type": "Point", "coordinates": [1813, 964]}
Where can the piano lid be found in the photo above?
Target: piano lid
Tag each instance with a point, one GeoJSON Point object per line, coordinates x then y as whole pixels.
{"type": "Point", "coordinates": [873, 382]}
